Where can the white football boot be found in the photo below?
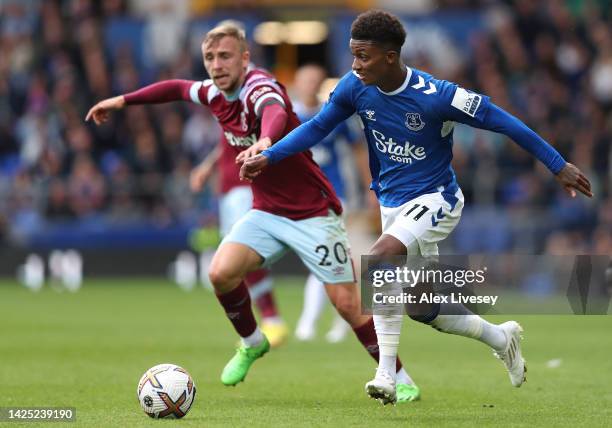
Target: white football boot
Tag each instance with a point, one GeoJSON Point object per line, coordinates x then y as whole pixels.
{"type": "Point", "coordinates": [382, 387]}
{"type": "Point", "coordinates": [511, 356]}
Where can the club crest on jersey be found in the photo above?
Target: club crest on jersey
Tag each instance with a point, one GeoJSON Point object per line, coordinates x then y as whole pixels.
{"type": "Point", "coordinates": [370, 115]}
{"type": "Point", "coordinates": [414, 122]}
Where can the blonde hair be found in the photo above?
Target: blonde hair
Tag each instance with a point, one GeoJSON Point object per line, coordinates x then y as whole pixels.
{"type": "Point", "coordinates": [227, 28]}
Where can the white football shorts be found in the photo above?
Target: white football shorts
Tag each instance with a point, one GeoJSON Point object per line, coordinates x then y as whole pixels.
{"type": "Point", "coordinates": [424, 221]}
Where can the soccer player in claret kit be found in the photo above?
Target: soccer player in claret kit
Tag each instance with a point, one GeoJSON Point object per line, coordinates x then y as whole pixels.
{"type": "Point", "coordinates": [408, 119]}
{"type": "Point", "coordinates": [235, 200]}
{"type": "Point", "coordinates": [294, 205]}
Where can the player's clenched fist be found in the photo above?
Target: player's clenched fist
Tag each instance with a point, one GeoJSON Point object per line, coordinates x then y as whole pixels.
{"type": "Point", "coordinates": [99, 112]}
{"type": "Point", "coordinates": [252, 167]}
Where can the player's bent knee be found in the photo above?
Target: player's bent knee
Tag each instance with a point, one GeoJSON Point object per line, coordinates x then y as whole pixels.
{"type": "Point", "coordinates": [223, 276]}
{"type": "Point", "coordinates": [424, 315]}
{"type": "Point", "coordinates": [230, 265]}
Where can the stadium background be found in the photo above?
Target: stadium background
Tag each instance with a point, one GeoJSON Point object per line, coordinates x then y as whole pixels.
{"type": "Point", "coordinates": [65, 183]}
{"type": "Point", "coordinates": [118, 195]}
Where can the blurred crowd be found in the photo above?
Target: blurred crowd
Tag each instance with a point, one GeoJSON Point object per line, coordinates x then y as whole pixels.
{"type": "Point", "coordinates": [56, 167]}
{"type": "Point", "coordinates": [548, 62]}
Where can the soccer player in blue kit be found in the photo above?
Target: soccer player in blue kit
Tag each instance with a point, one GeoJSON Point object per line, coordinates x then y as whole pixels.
{"type": "Point", "coordinates": [408, 118]}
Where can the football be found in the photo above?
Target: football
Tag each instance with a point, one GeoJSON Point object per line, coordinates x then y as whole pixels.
{"type": "Point", "coordinates": [166, 391]}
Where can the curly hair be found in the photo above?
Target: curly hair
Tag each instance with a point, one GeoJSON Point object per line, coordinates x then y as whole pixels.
{"type": "Point", "coordinates": [380, 27]}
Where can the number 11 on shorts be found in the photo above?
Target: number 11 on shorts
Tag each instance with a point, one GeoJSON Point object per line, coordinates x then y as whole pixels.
{"type": "Point", "coordinates": [419, 214]}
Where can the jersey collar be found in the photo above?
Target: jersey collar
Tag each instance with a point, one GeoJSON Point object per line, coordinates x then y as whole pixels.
{"type": "Point", "coordinates": [403, 85]}
{"type": "Point", "coordinates": [232, 96]}
{"type": "Point", "coordinates": [236, 94]}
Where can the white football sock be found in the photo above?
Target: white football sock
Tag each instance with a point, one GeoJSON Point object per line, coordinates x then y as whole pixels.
{"type": "Point", "coordinates": [254, 339]}
{"type": "Point", "coordinates": [493, 335]}
{"type": "Point", "coordinates": [472, 326]}
{"type": "Point", "coordinates": [403, 377]}
{"type": "Point", "coordinates": [314, 301]}
{"type": "Point", "coordinates": [388, 330]}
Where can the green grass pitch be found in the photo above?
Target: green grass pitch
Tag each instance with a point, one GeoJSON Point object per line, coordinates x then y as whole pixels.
{"type": "Point", "coordinates": [88, 350]}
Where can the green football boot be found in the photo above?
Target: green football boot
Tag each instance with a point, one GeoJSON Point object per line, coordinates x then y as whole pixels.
{"type": "Point", "coordinates": [237, 368]}
{"type": "Point", "coordinates": [406, 393]}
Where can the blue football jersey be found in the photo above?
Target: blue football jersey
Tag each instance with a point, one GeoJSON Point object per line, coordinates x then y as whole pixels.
{"type": "Point", "coordinates": [410, 132]}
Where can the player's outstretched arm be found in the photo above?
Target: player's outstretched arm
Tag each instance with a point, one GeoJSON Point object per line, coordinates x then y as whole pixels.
{"type": "Point", "coordinates": [300, 139]}
{"type": "Point", "coordinates": [160, 92]}
{"type": "Point", "coordinates": [572, 179]}
{"type": "Point", "coordinates": [308, 134]}
{"type": "Point", "coordinates": [100, 112]}
{"type": "Point", "coordinates": [568, 175]}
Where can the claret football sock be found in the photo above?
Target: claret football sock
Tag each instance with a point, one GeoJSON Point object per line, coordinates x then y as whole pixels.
{"type": "Point", "coordinates": [367, 336]}
{"type": "Point", "coordinates": [237, 305]}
